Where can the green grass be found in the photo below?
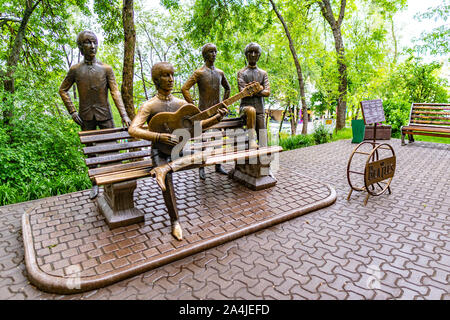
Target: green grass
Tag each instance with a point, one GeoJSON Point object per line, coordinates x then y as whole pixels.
{"type": "Point", "coordinates": [345, 133]}
{"type": "Point", "coordinates": [430, 139]}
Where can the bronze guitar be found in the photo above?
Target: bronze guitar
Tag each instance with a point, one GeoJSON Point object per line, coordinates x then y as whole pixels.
{"type": "Point", "coordinates": [167, 122]}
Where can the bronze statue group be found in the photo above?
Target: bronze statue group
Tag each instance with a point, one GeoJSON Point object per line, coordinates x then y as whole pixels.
{"type": "Point", "coordinates": [93, 79]}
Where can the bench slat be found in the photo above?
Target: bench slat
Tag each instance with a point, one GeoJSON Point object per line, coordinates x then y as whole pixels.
{"type": "Point", "coordinates": [432, 112]}
{"type": "Point", "coordinates": [429, 122]}
{"type": "Point", "coordinates": [429, 117]}
{"type": "Point", "coordinates": [431, 134]}
{"type": "Point", "coordinates": [432, 108]}
{"type": "Point", "coordinates": [217, 134]}
{"type": "Point", "coordinates": [117, 157]}
{"type": "Point", "coordinates": [116, 147]}
{"type": "Point", "coordinates": [106, 137]}
{"type": "Point", "coordinates": [120, 167]}
{"type": "Point", "coordinates": [102, 131]}
{"type": "Point", "coordinates": [425, 129]}
{"type": "Point", "coordinates": [228, 124]}
{"type": "Point", "coordinates": [119, 177]}
{"type": "Point", "coordinates": [215, 143]}
{"type": "Point", "coordinates": [242, 155]}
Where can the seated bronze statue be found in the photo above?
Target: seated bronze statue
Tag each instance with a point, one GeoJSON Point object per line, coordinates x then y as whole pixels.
{"type": "Point", "coordinates": [252, 108]}
{"type": "Point", "coordinates": [162, 76]}
{"type": "Point", "coordinates": [165, 113]}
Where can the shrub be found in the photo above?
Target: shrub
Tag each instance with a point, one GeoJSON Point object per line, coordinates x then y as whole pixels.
{"type": "Point", "coordinates": [40, 156]}
{"type": "Point", "coordinates": [321, 134]}
{"type": "Point", "coordinates": [295, 142]}
{"type": "Point", "coordinates": [397, 115]}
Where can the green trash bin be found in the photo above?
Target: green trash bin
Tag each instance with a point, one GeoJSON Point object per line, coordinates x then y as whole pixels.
{"type": "Point", "coordinates": [358, 129]}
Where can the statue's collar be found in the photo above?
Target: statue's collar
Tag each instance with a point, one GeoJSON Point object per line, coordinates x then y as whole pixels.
{"type": "Point", "coordinates": [90, 62]}
{"type": "Point", "coordinates": [252, 67]}
{"type": "Point", "coordinates": [164, 97]}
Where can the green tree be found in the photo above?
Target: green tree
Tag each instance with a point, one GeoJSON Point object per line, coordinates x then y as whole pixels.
{"type": "Point", "coordinates": [301, 82]}
{"type": "Point", "coordinates": [38, 24]}
{"type": "Point", "coordinates": [435, 41]}
{"type": "Point", "coordinates": [335, 25]}
{"type": "Point", "coordinates": [413, 81]}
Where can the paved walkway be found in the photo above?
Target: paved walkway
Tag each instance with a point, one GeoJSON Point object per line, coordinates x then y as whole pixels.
{"type": "Point", "coordinates": [397, 247]}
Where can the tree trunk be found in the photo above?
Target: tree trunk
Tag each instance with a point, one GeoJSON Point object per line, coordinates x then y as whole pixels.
{"type": "Point", "coordinates": [293, 121]}
{"type": "Point", "coordinates": [394, 62]}
{"type": "Point", "coordinates": [327, 12]}
{"type": "Point", "coordinates": [301, 82]}
{"type": "Point", "coordinates": [142, 73]}
{"type": "Point", "coordinates": [282, 119]}
{"type": "Point", "coordinates": [14, 55]}
{"type": "Point", "coordinates": [128, 57]}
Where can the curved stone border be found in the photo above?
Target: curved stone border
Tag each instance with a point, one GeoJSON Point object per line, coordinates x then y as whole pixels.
{"type": "Point", "coordinates": [70, 285]}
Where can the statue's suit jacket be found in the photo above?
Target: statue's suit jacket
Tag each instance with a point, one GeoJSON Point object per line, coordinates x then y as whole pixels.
{"type": "Point", "coordinates": [247, 75]}
{"type": "Point", "coordinates": [93, 81]}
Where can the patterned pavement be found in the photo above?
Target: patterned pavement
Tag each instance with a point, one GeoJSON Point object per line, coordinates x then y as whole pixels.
{"type": "Point", "coordinates": [397, 247]}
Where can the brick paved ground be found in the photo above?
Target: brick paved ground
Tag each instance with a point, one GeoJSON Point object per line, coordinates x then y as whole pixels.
{"type": "Point", "coordinates": [333, 253]}
{"type": "Point", "coordinates": [67, 239]}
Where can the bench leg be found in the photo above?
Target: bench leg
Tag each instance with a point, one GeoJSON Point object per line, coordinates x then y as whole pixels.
{"type": "Point", "coordinates": [410, 138]}
{"type": "Point", "coordinates": [403, 139]}
{"type": "Point", "coordinates": [253, 176]}
{"type": "Point", "coordinates": [117, 205]}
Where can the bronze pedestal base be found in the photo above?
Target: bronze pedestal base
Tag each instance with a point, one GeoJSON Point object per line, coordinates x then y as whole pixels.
{"type": "Point", "coordinates": [117, 205]}
{"type": "Point", "coordinates": [253, 176]}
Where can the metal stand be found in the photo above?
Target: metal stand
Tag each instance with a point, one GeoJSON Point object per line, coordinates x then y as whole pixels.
{"type": "Point", "coordinates": [373, 159]}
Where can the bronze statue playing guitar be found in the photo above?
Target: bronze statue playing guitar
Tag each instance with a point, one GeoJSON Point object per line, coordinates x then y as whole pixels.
{"type": "Point", "coordinates": [165, 113]}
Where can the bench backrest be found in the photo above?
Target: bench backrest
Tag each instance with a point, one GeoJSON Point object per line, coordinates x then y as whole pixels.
{"type": "Point", "coordinates": [111, 150]}
{"type": "Point", "coordinates": [430, 114]}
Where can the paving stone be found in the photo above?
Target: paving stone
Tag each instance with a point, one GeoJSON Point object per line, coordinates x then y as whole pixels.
{"type": "Point", "coordinates": [335, 246]}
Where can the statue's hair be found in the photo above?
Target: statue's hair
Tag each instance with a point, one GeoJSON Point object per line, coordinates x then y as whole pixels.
{"type": "Point", "coordinates": [81, 35]}
{"type": "Point", "coordinates": [250, 45]}
{"type": "Point", "coordinates": [206, 47]}
{"type": "Point", "coordinates": [158, 68]}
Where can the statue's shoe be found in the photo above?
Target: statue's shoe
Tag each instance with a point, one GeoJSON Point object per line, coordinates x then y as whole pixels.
{"type": "Point", "coordinates": [177, 232]}
{"type": "Point", "coordinates": [94, 192]}
{"type": "Point", "coordinates": [201, 173]}
{"type": "Point", "coordinates": [220, 169]}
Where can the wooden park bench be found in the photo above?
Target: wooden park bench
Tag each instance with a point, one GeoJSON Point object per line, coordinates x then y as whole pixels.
{"type": "Point", "coordinates": [116, 160]}
{"type": "Point", "coordinates": [428, 119]}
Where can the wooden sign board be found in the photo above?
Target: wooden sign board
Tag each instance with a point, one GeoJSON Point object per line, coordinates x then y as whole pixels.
{"type": "Point", "coordinates": [379, 170]}
{"type": "Point", "coordinates": [372, 111]}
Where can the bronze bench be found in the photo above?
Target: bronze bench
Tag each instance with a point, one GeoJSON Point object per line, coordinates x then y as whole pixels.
{"type": "Point", "coordinates": [116, 160]}
{"type": "Point", "coordinates": [428, 119]}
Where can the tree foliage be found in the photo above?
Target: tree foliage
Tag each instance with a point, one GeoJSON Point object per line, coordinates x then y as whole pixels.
{"type": "Point", "coordinates": [435, 41]}
{"type": "Point", "coordinates": [412, 81]}
{"type": "Point", "coordinates": [40, 153]}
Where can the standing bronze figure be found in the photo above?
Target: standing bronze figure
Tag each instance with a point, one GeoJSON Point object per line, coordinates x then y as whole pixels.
{"type": "Point", "coordinates": [162, 76]}
{"type": "Point", "coordinates": [252, 108]}
{"type": "Point", "coordinates": [209, 79]}
{"type": "Point", "coordinates": [93, 79]}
